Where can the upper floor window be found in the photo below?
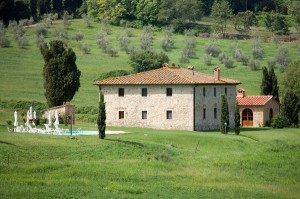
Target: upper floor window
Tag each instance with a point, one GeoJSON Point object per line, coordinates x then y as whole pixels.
{"type": "Point", "coordinates": [121, 92]}
{"type": "Point", "coordinates": [215, 92]}
{"type": "Point", "coordinates": [204, 113]}
{"type": "Point", "coordinates": [169, 91]}
{"type": "Point", "coordinates": [225, 91]}
{"type": "Point", "coordinates": [169, 115]}
{"type": "Point", "coordinates": [144, 92]}
{"type": "Point", "coordinates": [144, 115]}
{"type": "Point", "coordinates": [203, 91]}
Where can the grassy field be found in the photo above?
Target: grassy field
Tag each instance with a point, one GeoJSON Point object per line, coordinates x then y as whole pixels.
{"type": "Point", "coordinates": [21, 69]}
{"type": "Point", "coordinates": [145, 163]}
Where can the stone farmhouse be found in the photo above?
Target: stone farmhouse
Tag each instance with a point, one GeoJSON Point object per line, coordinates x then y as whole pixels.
{"type": "Point", "coordinates": [170, 97]}
{"type": "Point", "coordinates": [256, 110]}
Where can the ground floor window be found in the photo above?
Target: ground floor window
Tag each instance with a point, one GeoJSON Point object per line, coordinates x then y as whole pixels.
{"type": "Point", "coordinates": [169, 115]}
{"type": "Point", "coordinates": [121, 115]}
{"type": "Point", "coordinates": [144, 115]}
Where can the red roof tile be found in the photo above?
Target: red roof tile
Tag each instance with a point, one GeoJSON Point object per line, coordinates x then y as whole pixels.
{"type": "Point", "coordinates": [254, 100]}
{"type": "Point", "coordinates": [166, 75]}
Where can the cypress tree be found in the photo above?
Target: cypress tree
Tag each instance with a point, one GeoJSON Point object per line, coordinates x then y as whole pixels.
{"type": "Point", "coordinates": [101, 117]}
{"type": "Point", "coordinates": [265, 84]}
{"type": "Point", "coordinates": [62, 78]}
{"type": "Point", "coordinates": [291, 108]}
{"type": "Point", "coordinates": [57, 6]}
{"type": "Point", "coordinates": [237, 119]}
{"type": "Point", "coordinates": [274, 84]}
{"type": "Point", "coordinates": [224, 115]}
{"type": "Point", "coordinates": [33, 9]}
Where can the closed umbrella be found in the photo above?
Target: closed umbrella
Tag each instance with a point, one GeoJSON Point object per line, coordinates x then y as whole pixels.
{"type": "Point", "coordinates": [49, 119]}
{"type": "Point", "coordinates": [56, 118]}
{"type": "Point", "coordinates": [27, 120]}
{"type": "Point", "coordinates": [30, 113]}
{"type": "Point", "coordinates": [16, 118]}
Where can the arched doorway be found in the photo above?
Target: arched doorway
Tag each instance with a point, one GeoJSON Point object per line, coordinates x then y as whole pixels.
{"type": "Point", "coordinates": [270, 114]}
{"type": "Point", "coordinates": [247, 117]}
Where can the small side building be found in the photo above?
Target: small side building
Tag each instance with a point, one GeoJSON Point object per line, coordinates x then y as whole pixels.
{"type": "Point", "coordinates": [256, 111]}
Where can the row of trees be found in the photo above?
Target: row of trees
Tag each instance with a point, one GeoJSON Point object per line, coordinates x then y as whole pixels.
{"type": "Point", "coordinates": [16, 10]}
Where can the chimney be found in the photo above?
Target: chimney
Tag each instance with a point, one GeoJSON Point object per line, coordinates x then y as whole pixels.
{"type": "Point", "coordinates": [217, 73]}
{"type": "Point", "coordinates": [190, 67]}
{"type": "Point", "coordinates": [241, 92]}
{"type": "Point", "coordinates": [165, 65]}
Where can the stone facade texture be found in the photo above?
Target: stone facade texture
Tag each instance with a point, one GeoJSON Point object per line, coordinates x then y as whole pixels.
{"type": "Point", "coordinates": [187, 108]}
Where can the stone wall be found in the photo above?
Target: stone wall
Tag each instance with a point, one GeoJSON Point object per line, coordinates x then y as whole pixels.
{"type": "Point", "coordinates": [156, 103]}
{"type": "Point", "coordinates": [209, 102]}
{"type": "Point", "coordinates": [64, 110]}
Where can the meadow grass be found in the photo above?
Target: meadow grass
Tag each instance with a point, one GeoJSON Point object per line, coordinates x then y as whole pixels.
{"type": "Point", "coordinates": [147, 163]}
{"type": "Point", "coordinates": [21, 69]}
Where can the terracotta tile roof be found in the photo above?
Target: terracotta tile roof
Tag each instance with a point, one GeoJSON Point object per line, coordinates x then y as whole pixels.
{"type": "Point", "coordinates": [254, 100]}
{"type": "Point", "coordinates": [166, 75]}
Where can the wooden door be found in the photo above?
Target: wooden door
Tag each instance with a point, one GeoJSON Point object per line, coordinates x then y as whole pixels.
{"type": "Point", "coordinates": [247, 117]}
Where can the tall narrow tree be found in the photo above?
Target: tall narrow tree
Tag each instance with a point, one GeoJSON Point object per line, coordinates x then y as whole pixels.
{"type": "Point", "coordinates": [224, 124]}
{"type": "Point", "coordinates": [269, 85]}
{"type": "Point", "coordinates": [33, 8]}
{"type": "Point", "coordinates": [237, 120]}
{"type": "Point", "coordinates": [265, 83]}
{"type": "Point", "coordinates": [62, 78]}
{"type": "Point", "coordinates": [101, 121]}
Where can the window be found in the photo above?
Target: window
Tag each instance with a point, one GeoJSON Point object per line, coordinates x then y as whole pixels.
{"type": "Point", "coordinates": [225, 91]}
{"type": "Point", "coordinates": [144, 115]}
{"type": "Point", "coordinates": [144, 92]}
{"type": "Point", "coordinates": [203, 91]}
{"type": "Point", "coordinates": [121, 115]}
{"type": "Point", "coordinates": [204, 113]}
{"type": "Point", "coordinates": [169, 115]}
{"type": "Point", "coordinates": [215, 113]}
{"type": "Point", "coordinates": [215, 92]}
{"type": "Point", "coordinates": [169, 91]}
{"type": "Point", "coordinates": [121, 92]}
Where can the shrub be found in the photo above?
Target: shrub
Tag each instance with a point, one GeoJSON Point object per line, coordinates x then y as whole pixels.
{"type": "Point", "coordinates": [226, 60]}
{"type": "Point", "coordinates": [105, 27]}
{"type": "Point", "coordinates": [212, 48]}
{"type": "Point", "coordinates": [87, 19]}
{"type": "Point", "coordinates": [102, 40]}
{"type": "Point", "coordinates": [22, 41]}
{"type": "Point", "coordinates": [124, 43]}
{"type": "Point", "coordinates": [78, 36]}
{"type": "Point", "coordinates": [66, 19]}
{"type": "Point", "coordinates": [254, 64]}
{"type": "Point", "coordinates": [271, 63]}
{"type": "Point", "coordinates": [62, 35]}
{"type": "Point", "coordinates": [115, 73]}
{"type": "Point", "coordinates": [41, 29]}
{"type": "Point", "coordinates": [84, 48]}
{"type": "Point", "coordinates": [278, 122]}
{"type": "Point", "coordinates": [207, 59]}
{"type": "Point", "coordinates": [111, 51]}
{"type": "Point", "coordinates": [40, 40]}
{"type": "Point", "coordinates": [190, 47]}
{"type": "Point", "coordinates": [282, 58]}
{"type": "Point", "coordinates": [4, 42]}
{"type": "Point", "coordinates": [257, 49]}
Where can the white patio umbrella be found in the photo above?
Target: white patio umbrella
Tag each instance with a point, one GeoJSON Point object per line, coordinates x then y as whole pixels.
{"type": "Point", "coordinates": [27, 120]}
{"type": "Point", "coordinates": [30, 113]}
{"type": "Point", "coordinates": [49, 119]}
{"type": "Point", "coordinates": [16, 118]}
{"type": "Point", "coordinates": [56, 118]}
{"type": "Point", "coordinates": [34, 117]}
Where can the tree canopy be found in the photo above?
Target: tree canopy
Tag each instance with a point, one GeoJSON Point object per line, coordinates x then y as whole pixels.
{"type": "Point", "coordinates": [62, 78]}
{"type": "Point", "coordinates": [147, 60]}
{"type": "Point", "coordinates": [221, 12]}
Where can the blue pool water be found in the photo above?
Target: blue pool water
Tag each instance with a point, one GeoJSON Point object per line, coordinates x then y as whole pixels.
{"type": "Point", "coordinates": [82, 132]}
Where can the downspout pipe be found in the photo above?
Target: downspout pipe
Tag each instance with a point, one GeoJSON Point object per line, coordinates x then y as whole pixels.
{"type": "Point", "coordinates": [194, 107]}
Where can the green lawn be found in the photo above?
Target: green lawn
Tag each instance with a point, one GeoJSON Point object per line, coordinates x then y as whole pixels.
{"type": "Point", "coordinates": [146, 163]}
{"type": "Point", "coordinates": [21, 69]}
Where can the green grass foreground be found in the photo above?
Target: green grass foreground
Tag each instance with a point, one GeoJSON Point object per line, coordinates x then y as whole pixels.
{"type": "Point", "coordinates": [146, 163]}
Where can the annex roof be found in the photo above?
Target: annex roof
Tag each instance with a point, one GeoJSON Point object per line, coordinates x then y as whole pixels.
{"type": "Point", "coordinates": [166, 75]}
{"type": "Point", "coordinates": [254, 100]}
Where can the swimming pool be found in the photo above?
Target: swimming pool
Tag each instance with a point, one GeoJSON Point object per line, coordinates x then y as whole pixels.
{"type": "Point", "coordinates": [86, 132]}
{"type": "Point", "coordinates": [80, 132]}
